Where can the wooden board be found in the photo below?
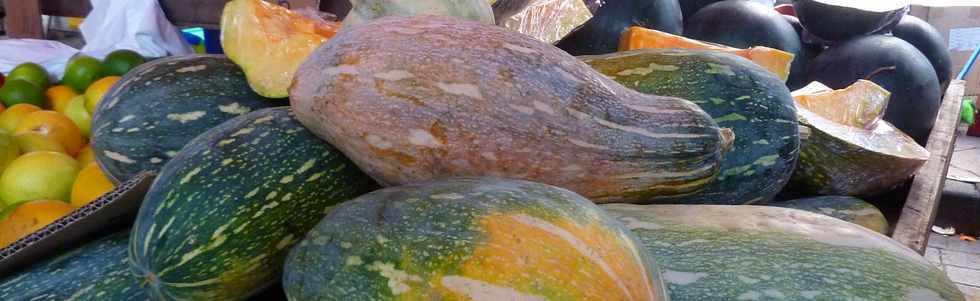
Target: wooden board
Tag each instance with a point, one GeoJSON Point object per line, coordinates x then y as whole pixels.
{"type": "Point", "coordinates": [23, 20]}
{"type": "Point", "coordinates": [920, 208]}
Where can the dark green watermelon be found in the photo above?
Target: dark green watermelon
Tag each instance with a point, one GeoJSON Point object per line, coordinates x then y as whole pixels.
{"type": "Point", "coordinates": [600, 35]}
{"type": "Point", "coordinates": [846, 208]}
{"type": "Point", "coordinates": [930, 42]}
{"type": "Point", "coordinates": [98, 270]}
{"type": "Point", "coordinates": [220, 217]}
{"type": "Point", "coordinates": [894, 65]}
{"type": "Point", "coordinates": [156, 108]}
{"type": "Point", "coordinates": [470, 239]}
{"type": "Point", "coordinates": [744, 24]}
{"type": "Point", "coordinates": [711, 252]}
{"type": "Point", "coordinates": [739, 95]}
{"type": "Point", "coordinates": [839, 20]}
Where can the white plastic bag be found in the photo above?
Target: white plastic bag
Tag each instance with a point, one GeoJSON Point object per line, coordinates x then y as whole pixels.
{"type": "Point", "coordinates": [138, 25]}
{"type": "Point", "coordinates": [52, 55]}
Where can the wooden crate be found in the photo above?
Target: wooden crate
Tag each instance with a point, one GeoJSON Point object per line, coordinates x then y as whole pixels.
{"type": "Point", "coordinates": [922, 203]}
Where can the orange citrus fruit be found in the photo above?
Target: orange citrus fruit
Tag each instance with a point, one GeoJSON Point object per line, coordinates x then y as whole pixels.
{"type": "Point", "coordinates": [12, 116]}
{"type": "Point", "coordinates": [86, 155]}
{"type": "Point", "coordinates": [38, 175]}
{"type": "Point", "coordinates": [90, 184]}
{"type": "Point", "coordinates": [57, 98]}
{"type": "Point", "coordinates": [30, 217]}
{"type": "Point", "coordinates": [98, 89]}
{"type": "Point", "coordinates": [52, 125]}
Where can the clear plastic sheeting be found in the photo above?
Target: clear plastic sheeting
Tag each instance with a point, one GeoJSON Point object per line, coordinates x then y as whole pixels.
{"type": "Point", "coordinates": [547, 20]}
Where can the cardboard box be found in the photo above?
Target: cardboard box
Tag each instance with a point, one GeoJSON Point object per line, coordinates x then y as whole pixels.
{"type": "Point", "coordinates": [111, 212]}
{"type": "Point", "coordinates": [952, 15]}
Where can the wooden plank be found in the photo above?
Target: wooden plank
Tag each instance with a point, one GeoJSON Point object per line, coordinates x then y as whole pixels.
{"type": "Point", "coordinates": [23, 20]}
{"type": "Point", "coordinates": [920, 208]}
{"type": "Point", "coordinates": [207, 13]}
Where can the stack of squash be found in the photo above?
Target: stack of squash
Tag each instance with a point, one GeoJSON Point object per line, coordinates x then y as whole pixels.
{"type": "Point", "coordinates": [491, 149]}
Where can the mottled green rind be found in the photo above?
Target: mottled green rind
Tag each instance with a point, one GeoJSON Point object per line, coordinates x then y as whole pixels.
{"type": "Point", "coordinates": [95, 271]}
{"type": "Point", "coordinates": [840, 160]}
{"type": "Point", "coordinates": [156, 108]}
{"type": "Point", "coordinates": [739, 95]}
{"type": "Point", "coordinates": [220, 217]}
{"type": "Point", "coordinates": [846, 208]}
{"type": "Point", "coordinates": [711, 252]}
{"type": "Point", "coordinates": [428, 224]}
{"type": "Point", "coordinates": [364, 11]}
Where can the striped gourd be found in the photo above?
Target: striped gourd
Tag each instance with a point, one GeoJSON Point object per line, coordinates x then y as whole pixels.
{"type": "Point", "coordinates": [411, 99]}
{"type": "Point", "coordinates": [156, 108]}
{"type": "Point", "coordinates": [470, 239]}
{"type": "Point", "coordinates": [95, 271]}
{"type": "Point", "coordinates": [220, 217]}
{"type": "Point", "coordinates": [846, 208]}
{"type": "Point", "coordinates": [718, 252]}
{"type": "Point", "coordinates": [739, 95]}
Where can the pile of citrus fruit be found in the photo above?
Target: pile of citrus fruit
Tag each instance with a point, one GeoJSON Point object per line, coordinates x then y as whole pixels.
{"type": "Point", "coordinates": [47, 168]}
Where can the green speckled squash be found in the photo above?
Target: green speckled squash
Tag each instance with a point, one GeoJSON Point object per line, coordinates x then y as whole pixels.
{"type": "Point", "coordinates": [739, 95]}
{"type": "Point", "coordinates": [156, 108]}
{"type": "Point", "coordinates": [95, 271]}
{"type": "Point", "coordinates": [470, 239]}
{"type": "Point", "coordinates": [716, 252]}
{"type": "Point", "coordinates": [410, 99]}
{"type": "Point", "coordinates": [363, 11]}
{"type": "Point", "coordinates": [846, 208]}
{"type": "Point", "coordinates": [220, 217]}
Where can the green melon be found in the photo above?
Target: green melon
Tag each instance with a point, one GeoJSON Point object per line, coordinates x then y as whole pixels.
{"type": "Point", "coordinates": [97, 270]}
{"type": "Point", "coordinates": [470, 239]}
{"type": "Point", "coordinates": [156, 108]}
{"type": "Point", "coordinates": [717, 252]}
{"type": "Point", "coordinates": [739, 95]}
{"type": "Point", "coordinates": [846, 208]}
{"type": "Point", "coordinates": [220, 217]}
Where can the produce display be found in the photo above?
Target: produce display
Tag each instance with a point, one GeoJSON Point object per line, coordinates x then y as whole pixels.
{"type": "Point", "coordinates": [158, 107]}
{"type": "Point", "coordinates": [739, 95]}
{"type": "Point", "coordinates": [242, 193]}
{"type": "Point", "coordinates": [470, 239]}
{"type": "Point", "coordinates": [420, 121]}
{"type": "Point", "coordinates": [846, 208]}
{"type": "Point", "coordinates": [44, 152]}
{"type": "Point", "coordinates": [456, 150]}
{"type": "Point", "coordinates": [713, 252]}
{"type": "Point", "coordinates": [849, 151]}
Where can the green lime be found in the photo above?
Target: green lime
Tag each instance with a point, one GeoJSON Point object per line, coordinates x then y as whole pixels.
{"type": "Point", "coordinates": [21, 91]}
{"type": "Point", "coordinates": [31, 72]}
{"type": "Point", "coordinates": [82, 71]}
{"type": "Point", "coordinates": [121, 61]}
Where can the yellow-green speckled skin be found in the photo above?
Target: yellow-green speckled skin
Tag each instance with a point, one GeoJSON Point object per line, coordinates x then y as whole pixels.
{"type": "Point", "coordinates": [470, 239]}
{"type": "Point", "coordinates": [717, 252]}
{"type": "Point", "coordinates": [846, 208]}
{"type": "Point", "coordinates": [220, 217]}
{"type": "Point", "coordinates": [95, 271]}
{"type": "Point", "coordinates": [739, 95]}
{"type": "Point", "coordinates": [410, 99]}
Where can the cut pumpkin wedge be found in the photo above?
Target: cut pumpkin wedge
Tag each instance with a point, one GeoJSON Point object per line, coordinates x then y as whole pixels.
{"type": "Point", "coordinates": [850, 150]}
{"type": "Point", "coordinates": [269, 42]}
{"type": "Point", "coordinates": [774, 60]}
{"type": "Point", "coordinates": [859, 105]}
